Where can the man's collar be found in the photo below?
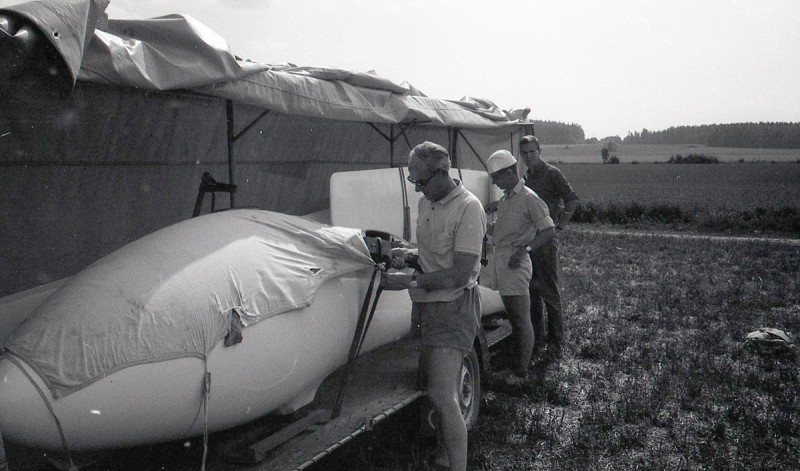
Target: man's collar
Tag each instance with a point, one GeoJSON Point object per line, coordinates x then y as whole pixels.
{"type": "Point", "coordinates": [453, 193]}
{"type": "Point", "coordinates": [517, 188]}
{"type": "Point", "coordinates": [538, 166]}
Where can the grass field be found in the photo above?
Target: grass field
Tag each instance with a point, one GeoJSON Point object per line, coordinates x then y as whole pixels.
{"type": "Point", "coordinates": [658, 376]}
{"type": "Point", "coordinates": [655, 376]}
{"type": "Point", "coordinates": [627, 153]}
{"type": "Point", "coordinates": [710, 186]}
{"type": "Point", "coordinates": [750, 191]}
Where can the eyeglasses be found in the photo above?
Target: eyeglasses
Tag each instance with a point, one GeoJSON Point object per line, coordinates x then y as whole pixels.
{"type": "Point", "coordinates": [422, 183]}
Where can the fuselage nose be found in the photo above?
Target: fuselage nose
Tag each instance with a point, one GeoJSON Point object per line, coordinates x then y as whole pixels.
{"type": "Point", "coordinates": [25, 418]}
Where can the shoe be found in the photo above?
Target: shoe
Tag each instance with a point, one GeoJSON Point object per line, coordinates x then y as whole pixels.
{"type": "Point", "coordinates": [509, 378]}
{"type": "Point", "coordinates": [554, 351]}
{"type": "Point", "coordinates": [538, 354]}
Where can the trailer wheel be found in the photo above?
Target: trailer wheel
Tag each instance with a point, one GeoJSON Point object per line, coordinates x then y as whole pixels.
{"type": "Point", "coordinates": [470, 392]}
{"type": "Point", "coordinates": [469, 397]}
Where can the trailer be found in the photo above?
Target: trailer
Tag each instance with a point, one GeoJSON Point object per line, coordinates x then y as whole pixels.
{"type": "Point", "coordinates": [352, 402]}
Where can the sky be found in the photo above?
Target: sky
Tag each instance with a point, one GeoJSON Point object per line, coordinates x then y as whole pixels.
{"type": "Point", "coordinates": [613, 67]}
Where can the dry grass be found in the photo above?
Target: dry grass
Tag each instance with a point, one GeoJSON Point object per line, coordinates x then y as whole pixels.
{"type": "Point", "coordinates": [656, 376]}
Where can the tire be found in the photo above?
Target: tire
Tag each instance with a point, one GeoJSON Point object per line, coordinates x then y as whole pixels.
{"type": "Point", "coordinates": [470, 390]}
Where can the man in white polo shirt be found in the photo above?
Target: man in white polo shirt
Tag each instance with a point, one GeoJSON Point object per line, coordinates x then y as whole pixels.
{"type": "Point", "coordinates": [522, 225]}
{"type": "Point", "coordinates": [450, 229]}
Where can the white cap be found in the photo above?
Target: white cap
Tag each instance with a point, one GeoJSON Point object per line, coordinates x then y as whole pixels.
{"type": "Point", "coordinates": [500, 160]}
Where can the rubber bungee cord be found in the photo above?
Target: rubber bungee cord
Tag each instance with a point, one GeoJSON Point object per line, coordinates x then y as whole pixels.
{"type": "Point", "coordinates": [72, 466]}
{"type": "Point", "coordinates": [206, 397]}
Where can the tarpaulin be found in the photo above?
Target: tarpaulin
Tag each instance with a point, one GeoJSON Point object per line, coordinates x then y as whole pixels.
{"type": "Point", "coordinates": [178, 52]}
{"type": "Point", "coordinates": [172, 293]}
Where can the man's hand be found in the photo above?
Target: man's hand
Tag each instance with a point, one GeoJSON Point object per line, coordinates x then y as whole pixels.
{"type": "Point", "coordinates": [395, 281]}
{"type": "Point", "coordinates": [403, 257]}
{"type": "Point", "coordinates": [516, 258]}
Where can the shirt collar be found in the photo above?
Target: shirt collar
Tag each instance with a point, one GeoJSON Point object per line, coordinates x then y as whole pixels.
{"type": "Point", "coordinates": [455, 192]}
{"type": "Point", "coordinates": [517, 188]}
{"type": "Point", "coordinates": [539, 165]}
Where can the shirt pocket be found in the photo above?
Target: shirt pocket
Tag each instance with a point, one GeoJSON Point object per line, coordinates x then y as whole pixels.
{"type": "Point", "coordinates": [441, 243]}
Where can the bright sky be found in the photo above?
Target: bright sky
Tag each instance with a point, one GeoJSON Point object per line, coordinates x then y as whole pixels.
{"type": "Point", "coordinates": [611, 66]}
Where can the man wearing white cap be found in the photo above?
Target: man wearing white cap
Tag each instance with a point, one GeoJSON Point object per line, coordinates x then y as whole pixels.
{"type": "Point", "coordinates": [522, 225]}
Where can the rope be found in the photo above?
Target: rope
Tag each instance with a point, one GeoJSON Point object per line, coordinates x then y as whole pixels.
{"type": "Point", "coordinates": [72, 466]}
{"type": "Point", "coordinates": [206, 397]}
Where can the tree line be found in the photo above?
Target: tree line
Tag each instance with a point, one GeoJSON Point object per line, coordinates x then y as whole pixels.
{"type": "Point", "coordinates": [766, 135]}
{"type": "Point", "coordinates": [553, 132]}
{"type": "Point", "coordinates": [749, 135]}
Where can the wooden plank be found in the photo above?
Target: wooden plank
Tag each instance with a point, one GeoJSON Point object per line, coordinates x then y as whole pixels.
{"type": "Point", "coordinates": [258, 451]}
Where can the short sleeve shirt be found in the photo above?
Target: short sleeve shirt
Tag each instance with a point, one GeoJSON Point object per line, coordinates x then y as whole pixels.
{"type": "Point", "coordinates": [456, 223]}
{"type": "Point", "coordinates": [550, 184]}
{"type": "Point", "coordinates": [520, 215]}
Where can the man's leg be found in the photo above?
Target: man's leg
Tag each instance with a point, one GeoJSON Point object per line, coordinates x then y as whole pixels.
{"type": "Point", "coordinates": [537, 308]}
{"type": "Point", "coordinates": [547, 284]}
{"type": "Point", "coordinates": [444, 374]}
{"type": "Point", "coordinates": [518, 309]}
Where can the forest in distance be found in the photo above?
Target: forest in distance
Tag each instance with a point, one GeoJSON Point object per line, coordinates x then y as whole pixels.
{"type": "Point", "coordinates": [767, 135]}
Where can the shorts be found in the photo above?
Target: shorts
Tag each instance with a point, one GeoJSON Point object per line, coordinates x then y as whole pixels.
{"type": "Point", "coordinates": [451, 324]}
{"type": "Point", "coordinates": [510, 281]}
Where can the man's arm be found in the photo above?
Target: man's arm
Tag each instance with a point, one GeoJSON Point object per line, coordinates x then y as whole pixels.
{"type": "Point", "coordinates": [566, 215]}
{"type": "Point", "coordinates": [568, 196]}
{"type": "Point", "coordinates": [542, 237]}
{"type": "Point", "coordinates": [449, 278]}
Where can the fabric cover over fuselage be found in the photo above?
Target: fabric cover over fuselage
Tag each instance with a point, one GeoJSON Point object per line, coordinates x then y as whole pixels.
{"type": "Point", "coordinates": [172, 293]}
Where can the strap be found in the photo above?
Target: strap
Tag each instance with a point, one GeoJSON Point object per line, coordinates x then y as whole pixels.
{"type": "Point", "coordinates": [355, 346]}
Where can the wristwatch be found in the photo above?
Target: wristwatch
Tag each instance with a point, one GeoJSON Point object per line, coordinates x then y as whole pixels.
{"type": "Point", "coordinates": [413, 283]}
{"type": "Point", "coordinates": [527, 248]}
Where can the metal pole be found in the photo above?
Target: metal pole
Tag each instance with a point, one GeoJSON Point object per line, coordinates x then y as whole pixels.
{"type": "Point", "coordinates": [452, 137]}
{"type": "Point", "coordinates": [391, 145]}
{"type": "Point", "coordinates": [231, 149]}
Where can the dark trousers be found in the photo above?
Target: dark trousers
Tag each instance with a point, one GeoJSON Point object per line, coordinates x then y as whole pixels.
{"type": "Point", "coordinates": [545, 293]}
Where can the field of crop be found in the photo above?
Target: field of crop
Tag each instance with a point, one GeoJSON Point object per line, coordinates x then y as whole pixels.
{"type": "Point", "coordinates": [730, 186]}
{"type": "Point", "coordinates": [627, 153]}
{"type": "Point", "coordinates": [656, 374]}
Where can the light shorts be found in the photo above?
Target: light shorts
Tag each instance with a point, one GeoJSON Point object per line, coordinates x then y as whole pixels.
{"type": "Point", "coordinates": [451, 324]}
{"type": "Point", "coordinates": [510, 282]}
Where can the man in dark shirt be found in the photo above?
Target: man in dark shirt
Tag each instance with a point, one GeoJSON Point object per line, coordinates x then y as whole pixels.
{"type": "Point", "coordinates": [549, 183]}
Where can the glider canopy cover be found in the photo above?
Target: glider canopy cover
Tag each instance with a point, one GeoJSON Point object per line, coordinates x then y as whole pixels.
{"type": "Point", "coordinates": [162, 297]}
{"type": "Point", "coordinates": [71, 40]}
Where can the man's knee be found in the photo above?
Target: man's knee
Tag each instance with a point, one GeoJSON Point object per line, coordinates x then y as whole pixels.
{"type": "Point", "coordinates": [440, 398]}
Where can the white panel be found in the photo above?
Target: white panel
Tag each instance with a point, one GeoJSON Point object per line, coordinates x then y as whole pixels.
{"type": "Point", "coordinates": [373, 199]}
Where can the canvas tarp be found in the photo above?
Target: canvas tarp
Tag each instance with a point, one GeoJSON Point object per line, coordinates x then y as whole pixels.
{"type": "Point", "coordinates": [161, 298]}
{"type": "Point", "coordinates": [178, 52]}
{"type": "Point", "coordinates": [85, 172]}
